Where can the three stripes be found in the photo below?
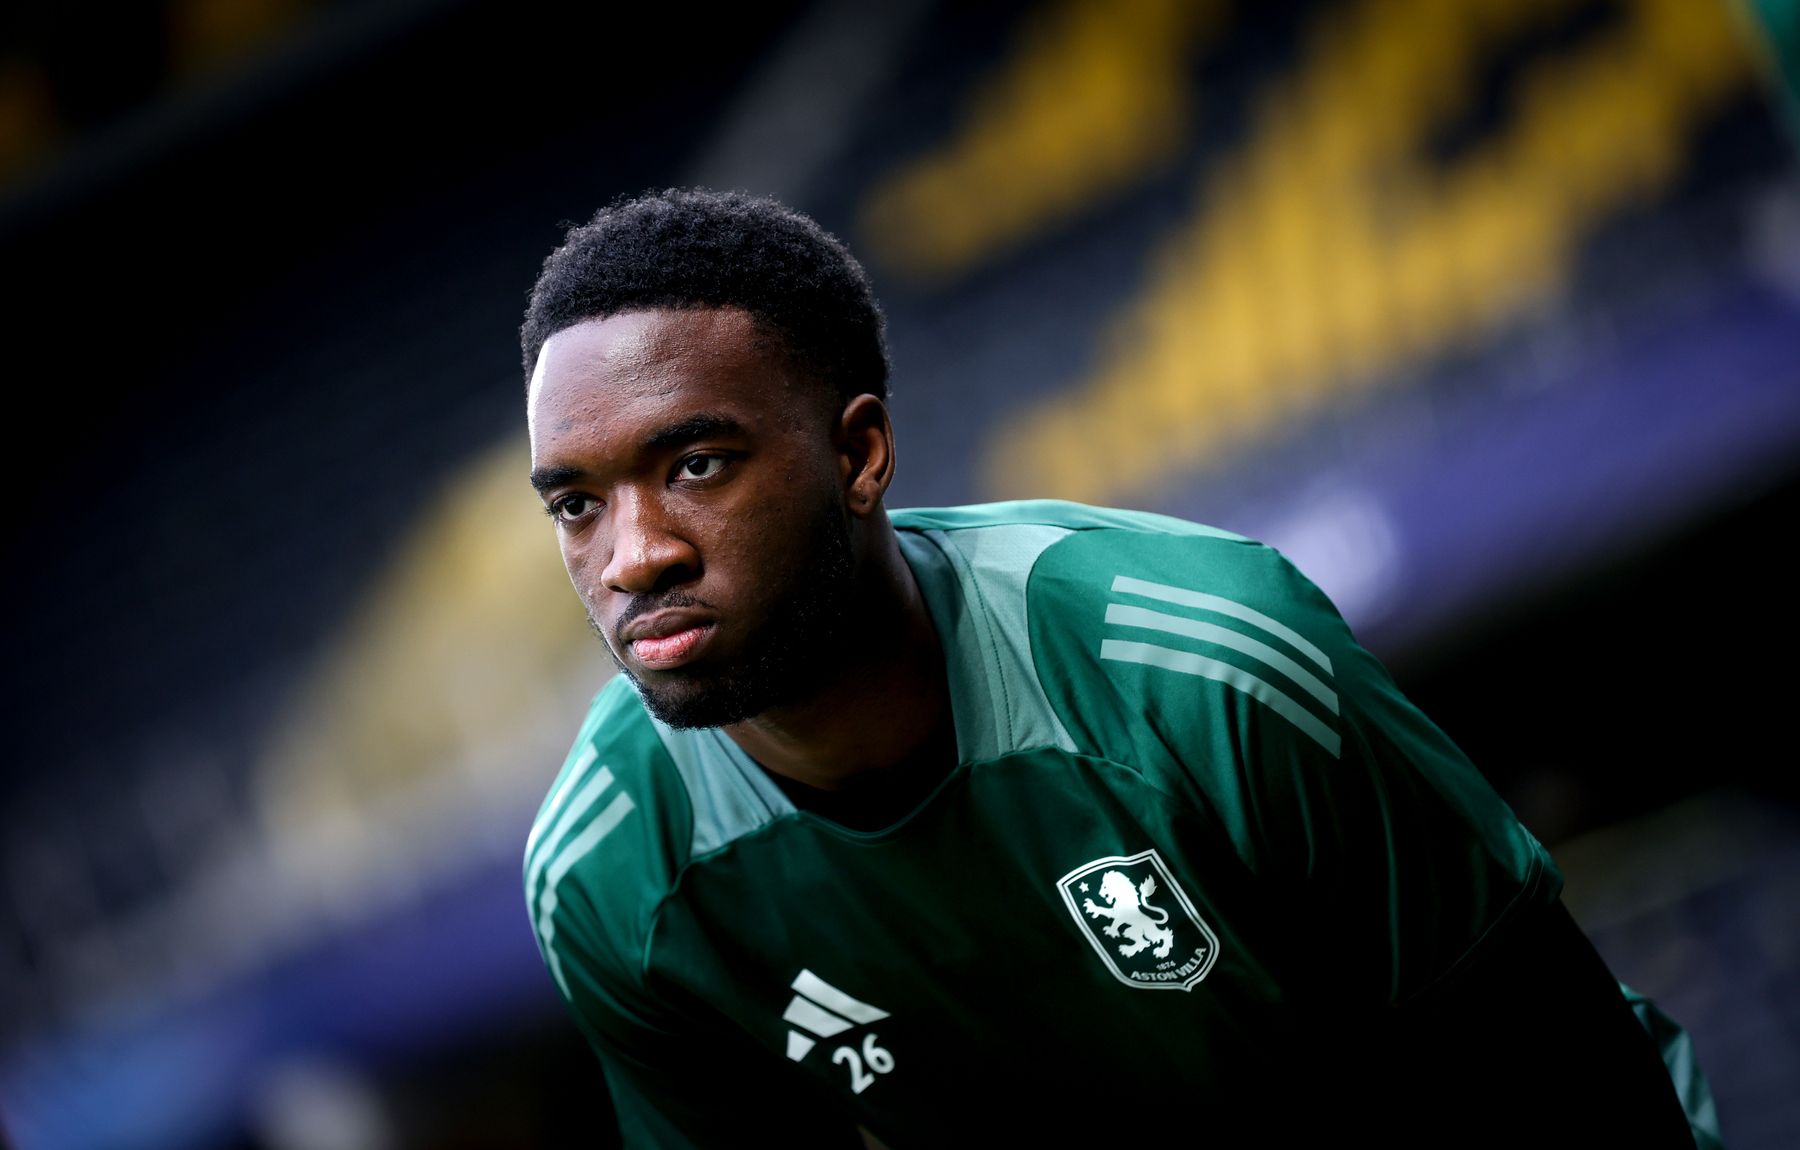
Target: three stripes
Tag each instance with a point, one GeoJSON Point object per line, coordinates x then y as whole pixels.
{"type": "Point", "coordinates": [551, 859]}
{"type": "Point", "coordinates": [1313, 680]}
{"type": "Point", "coordinates": [817, 1007]}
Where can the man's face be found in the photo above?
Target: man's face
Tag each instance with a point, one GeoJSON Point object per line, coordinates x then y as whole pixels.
{"type": "Point", "coordinates": [696, 492]}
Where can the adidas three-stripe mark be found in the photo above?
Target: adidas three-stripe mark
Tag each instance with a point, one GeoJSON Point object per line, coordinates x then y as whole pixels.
{"type": "Point", "coordinates": [1315, 682]}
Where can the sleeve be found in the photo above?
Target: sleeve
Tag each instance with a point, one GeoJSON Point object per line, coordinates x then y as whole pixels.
{"type": "Point", "coordinates": [1435, 939]}
{"type": "Point", "coordinates": [1217, 670]}
{"type": "Point", "coordinates": [607, 847]}
{"type": "Point", "coordinates": [1477, 977]}
{"type": "Point", "coordinates": [1395, 834]}
{"type": "Point", "coordinates": [1677, 1051]}
{"type": "Point", "coordinates": [675, 1082]}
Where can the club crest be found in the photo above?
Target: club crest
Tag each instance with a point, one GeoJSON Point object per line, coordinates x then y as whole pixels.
{"type": "Point", "coordinates": [1140, 921]}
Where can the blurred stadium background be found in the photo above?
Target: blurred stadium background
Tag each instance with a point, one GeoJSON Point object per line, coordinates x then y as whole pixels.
{"type": "Point", "coordinates": [1486, 311]}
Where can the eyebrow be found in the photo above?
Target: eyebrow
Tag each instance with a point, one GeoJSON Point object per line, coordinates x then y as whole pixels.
{"type": "Point", "coordinates": [701, 426]}
{"type": "Point", "coordinates": [677, 434]}
{"type": "Point", "coordinates": [544, 478]}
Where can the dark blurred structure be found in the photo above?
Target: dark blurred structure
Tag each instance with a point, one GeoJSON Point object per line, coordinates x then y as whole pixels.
{"type": "Point", "coordinates": [1488, 313]}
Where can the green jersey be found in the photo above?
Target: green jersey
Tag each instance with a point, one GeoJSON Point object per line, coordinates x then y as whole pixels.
{"type": "Point", "coordinates": [1195, 840]}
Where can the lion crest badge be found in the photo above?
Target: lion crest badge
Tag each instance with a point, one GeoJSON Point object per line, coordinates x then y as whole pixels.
{"type": "Point", "coordinates": [1140, 921]}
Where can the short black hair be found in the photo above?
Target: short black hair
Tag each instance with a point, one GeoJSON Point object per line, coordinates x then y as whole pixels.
{"type": "Point", "coordinates": [693, 248]}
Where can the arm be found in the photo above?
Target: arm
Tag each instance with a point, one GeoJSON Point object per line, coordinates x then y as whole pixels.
{"type": "Point", "coordinates": [603, 854]}
{"type": "Point", "coordinates": [1439, 977]}
{"type": "Point", "coordinates": [1496, 1015]}
{"type": "Point", "coordinates": [676, 1083]}
{"type": "Point", "coordinates": [1533, 1041]}
{"type": "Point", "coordinates": [1677, 1051]}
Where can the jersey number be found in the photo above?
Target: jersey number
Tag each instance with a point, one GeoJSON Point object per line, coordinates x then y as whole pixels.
{"type": "Point", "coordinates": [878, 1060]}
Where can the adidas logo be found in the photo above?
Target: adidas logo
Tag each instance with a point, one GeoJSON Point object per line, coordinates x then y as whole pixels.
{"type": "Point", "coordinates": [1291, 676]}
{"type": "Point", "coordinates": [824, 1011]}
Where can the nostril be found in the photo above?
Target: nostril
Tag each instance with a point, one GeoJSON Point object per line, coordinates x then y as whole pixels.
{"type": "Point", "coordinates": [649, 562]}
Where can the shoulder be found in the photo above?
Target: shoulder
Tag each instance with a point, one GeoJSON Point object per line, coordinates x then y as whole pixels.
{"type": "Point", "coordinates": [607, 843]}
{"type": "Point", "coordinates": [1074, 569]}
{"type": "Point", "coordinates": [635, 803]}
{"type": "Point", "coordinates": [1071, 549]}
{"type": "Point", "coordinates": [1141, 624]}
{"type": "Point", "coordinates": [1083, 616]}
{"type": "Point", "coordinates": [1054, 513]}
{"type": "Point", "coordinates": [1146, 569]}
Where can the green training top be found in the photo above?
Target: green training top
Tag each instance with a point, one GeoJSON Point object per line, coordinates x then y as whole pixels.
{"type": "Point", "coordinates": [1195, 836]}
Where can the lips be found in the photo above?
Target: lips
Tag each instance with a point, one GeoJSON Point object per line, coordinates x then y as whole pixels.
{"type": "Point", "coordinates": [670, 650]}
{"type": "Point", "coordinates": [667, 639]}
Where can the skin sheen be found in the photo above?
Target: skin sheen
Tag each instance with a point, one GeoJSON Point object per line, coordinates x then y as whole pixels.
{"type": "Point", "coordinates": [721, 520]}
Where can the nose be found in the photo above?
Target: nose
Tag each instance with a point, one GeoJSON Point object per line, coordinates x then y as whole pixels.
{"type": "Point", "coordinates": [649, 552]}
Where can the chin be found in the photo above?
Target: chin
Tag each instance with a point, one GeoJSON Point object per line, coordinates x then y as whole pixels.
{"type": "Point", "coordinates": [685, 703]}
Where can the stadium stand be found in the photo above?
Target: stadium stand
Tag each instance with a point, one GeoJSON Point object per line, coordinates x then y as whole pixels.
{"type": "Point", "coordinates": [1484, 312]}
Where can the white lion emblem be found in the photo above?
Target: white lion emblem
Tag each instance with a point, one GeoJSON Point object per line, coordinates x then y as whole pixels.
{"type": "Point", "coordinates": [1132, 914]}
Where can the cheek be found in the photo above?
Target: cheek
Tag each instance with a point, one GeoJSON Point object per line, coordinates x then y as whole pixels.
{"type": "Point", "coordinates": [578, 556]}
{"type": "Point", "coordinates": [774, 543]}
{"type": "Point", "coordinates": [743, 554]}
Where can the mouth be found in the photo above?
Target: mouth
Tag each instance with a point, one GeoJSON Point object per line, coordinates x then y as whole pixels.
{"type": "Point", "coordinates": [662, 644]}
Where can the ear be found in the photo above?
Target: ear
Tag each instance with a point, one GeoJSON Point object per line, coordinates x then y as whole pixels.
{"type": "Point", "coordinates": [865, 442]}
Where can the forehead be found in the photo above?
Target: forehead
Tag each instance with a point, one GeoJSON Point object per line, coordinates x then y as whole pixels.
{"type": "Point", "coordinates": [614, 374]}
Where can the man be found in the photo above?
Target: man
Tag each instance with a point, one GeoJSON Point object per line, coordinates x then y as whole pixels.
{"type": "Point", "coordinates": [1023, 822]}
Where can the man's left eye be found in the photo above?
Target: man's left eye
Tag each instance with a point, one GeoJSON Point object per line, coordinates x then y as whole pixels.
{"type": "Point", "coordinates": [700, 466]}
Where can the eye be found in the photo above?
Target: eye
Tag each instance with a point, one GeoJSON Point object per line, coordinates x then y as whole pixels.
{"type": "Point", "coordinates": [700, 466]}
{"type": "Point", "coordinates": [572, 507]}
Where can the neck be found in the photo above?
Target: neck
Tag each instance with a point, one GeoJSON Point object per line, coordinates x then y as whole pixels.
{"type": "Point", "coordinates": [886, 702]}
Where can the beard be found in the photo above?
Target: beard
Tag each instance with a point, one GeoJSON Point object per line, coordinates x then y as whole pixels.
{"type": "Point", "coordinates": [793, 652]}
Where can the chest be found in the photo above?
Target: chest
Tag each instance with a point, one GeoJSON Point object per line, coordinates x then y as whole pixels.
{"type": "Point", "coordinates": [1045, 923]}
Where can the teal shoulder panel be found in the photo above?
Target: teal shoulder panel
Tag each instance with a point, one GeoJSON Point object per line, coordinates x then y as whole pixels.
{"type": "Point", "coordinates": [730, 795]}
{"type": "Point", "coordinates": [1047, 513]}
{"type": "Point", "coordinates": [1211, 666]}
{"type": "Point", "coordinates": [974, 583]}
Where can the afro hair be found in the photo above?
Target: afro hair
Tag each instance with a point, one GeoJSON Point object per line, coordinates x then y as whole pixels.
{"type": "Point", "coordinates": [684, 248]}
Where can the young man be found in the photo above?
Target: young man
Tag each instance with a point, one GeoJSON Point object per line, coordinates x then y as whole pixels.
{"type": "Point", "coordinates": [1025, 822]}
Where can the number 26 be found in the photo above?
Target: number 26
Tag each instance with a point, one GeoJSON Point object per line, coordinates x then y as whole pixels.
{"type": "Point", "coordinates": [879, 1061]}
